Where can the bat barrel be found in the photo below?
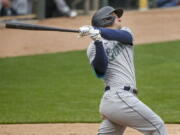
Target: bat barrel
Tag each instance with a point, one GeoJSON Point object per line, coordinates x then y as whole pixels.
{"type": "Point", "coordinates": [13, 25]}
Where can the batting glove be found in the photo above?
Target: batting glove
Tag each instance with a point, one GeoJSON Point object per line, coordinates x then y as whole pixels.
{"type": "Point", "coordinates": [85, 30]}
{"type": "Point", "coordinates": [95, 34]}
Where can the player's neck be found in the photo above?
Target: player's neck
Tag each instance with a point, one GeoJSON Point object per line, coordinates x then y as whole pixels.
{"type": "Point", "coordinates": [114, 27]}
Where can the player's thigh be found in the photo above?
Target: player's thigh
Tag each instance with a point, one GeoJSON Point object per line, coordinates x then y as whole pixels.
{"type": "Point", "coordinates": [109, 128]}
{"type": "Point", "coordinates": [140, 116]}
{"type": "Point", "coordinates": [127, 110]}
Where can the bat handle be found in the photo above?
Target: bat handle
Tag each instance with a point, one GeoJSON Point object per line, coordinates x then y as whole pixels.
{"type": "Point", "coordinates": [66, 30]}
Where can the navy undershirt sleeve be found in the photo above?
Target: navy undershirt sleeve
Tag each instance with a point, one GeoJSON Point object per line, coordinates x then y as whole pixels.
{"type": "Point", "coordinates": [117, 35]}
{"type": "Point", "coordinates": [100, 61]}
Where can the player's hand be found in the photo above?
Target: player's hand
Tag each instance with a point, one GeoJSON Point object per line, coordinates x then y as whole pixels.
{"type": "Point", "coordinates": [95, 34]}
{"type": "Point", "coordinates": [85, 30]}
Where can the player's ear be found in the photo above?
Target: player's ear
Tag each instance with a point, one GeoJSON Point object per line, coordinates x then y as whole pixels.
{"type": "Point", "coordinates": [119, 19]}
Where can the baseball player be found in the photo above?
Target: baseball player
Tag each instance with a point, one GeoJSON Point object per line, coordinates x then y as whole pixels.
{"type": "Point", "coordinates": [111, 56]}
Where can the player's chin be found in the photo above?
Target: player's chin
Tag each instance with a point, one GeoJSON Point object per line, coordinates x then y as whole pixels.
{"type": "Point", "coordinates": [119, 27]}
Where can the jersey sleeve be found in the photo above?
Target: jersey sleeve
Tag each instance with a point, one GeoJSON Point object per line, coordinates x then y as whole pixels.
{"type": "Point", "coordinates": [91, 52]}
{"type": "Point", "coordinates": [98, 58]}
{"type": "Point", "coordinates": [127, 29]}
{"type": "Point", "coordinates": [119, 35]}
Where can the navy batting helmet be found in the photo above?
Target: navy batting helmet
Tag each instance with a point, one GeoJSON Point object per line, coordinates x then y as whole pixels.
{"type": "Point", "coordinates": [103, 17]}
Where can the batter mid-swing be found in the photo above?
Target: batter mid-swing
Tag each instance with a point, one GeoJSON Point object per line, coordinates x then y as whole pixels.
{"type": "Point", "coordinates": [111, 56]}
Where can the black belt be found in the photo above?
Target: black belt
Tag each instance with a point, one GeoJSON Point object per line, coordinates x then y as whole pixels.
{"type": "Point", "coordinates": [127, 88]}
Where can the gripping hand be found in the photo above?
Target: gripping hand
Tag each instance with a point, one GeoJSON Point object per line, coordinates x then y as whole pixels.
{"type": "Point", "coordinates": [95, 34]}
{"type": "Point", "coordinates": [85, 30]}
{"type": "Point", "coordinates": [88, 30]}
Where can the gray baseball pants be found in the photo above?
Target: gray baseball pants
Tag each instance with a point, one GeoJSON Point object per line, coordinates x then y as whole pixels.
{"type": "Point", "coordinates": [122, 108]}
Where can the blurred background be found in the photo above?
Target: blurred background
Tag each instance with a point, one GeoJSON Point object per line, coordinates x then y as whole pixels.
{"type": "Point", "coordinates": [71, 8]}
{"type": "Point", "coordinates": [147, 18]}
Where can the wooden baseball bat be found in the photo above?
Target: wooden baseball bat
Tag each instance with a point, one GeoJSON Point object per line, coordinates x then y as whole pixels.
{"type": "Point", "coordinates": [25, 26]}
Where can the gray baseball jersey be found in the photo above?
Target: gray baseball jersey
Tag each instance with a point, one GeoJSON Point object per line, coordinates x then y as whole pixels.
{"type": "Point", "coordinates": [120, 69]}
{"type": "Point", "coordinates": [122, 108]}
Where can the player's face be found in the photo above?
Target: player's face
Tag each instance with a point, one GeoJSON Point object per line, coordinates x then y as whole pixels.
{"type": "Point", "coordinates": [117, 22]}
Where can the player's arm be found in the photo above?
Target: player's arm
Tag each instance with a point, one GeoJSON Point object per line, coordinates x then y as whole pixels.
{"type": "Point", "coordinates": [98, 58]}
{"type": "Point", "coordinates": [100, 61]}
{"type": "Point", "coordinates": [122, 36]}
{"type": "Point", "coordinates": [96, 52]}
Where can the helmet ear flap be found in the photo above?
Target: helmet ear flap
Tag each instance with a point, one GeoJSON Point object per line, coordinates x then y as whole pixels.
{"type": "Point", "coordinates": [103, 21]}
{"type": "Point", "coordinates": [109, 20]}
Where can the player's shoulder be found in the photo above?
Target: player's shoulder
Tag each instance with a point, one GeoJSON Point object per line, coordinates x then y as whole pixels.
{"type": "Point", "coordinates": [91, 51]}
{"type": "Point", "coordinates": [91, 48]}
{"type": "Point", "coordinates": [127, 29]}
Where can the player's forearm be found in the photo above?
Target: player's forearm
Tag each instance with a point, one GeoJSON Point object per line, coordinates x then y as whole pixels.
{"type": "Point", "coordinates": [117, 35]}
{"type": "Point", "coordinates": [100, 61]}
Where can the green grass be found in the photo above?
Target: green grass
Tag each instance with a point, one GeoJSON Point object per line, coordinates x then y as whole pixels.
{"type": "Point", "coordinates": [158, 78]}
{"type": "Point", "coordinates": [61, 87]}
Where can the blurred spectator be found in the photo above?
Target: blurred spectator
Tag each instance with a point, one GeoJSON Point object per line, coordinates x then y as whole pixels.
{"type": "Point", "coordinates": [15, 7]}
{"type": "Point", "coordinates": [178, 2]}
{"type": "Point", "coordinates": [119, 3]}
{"type": "Point", "coordinates": [22, 7]}
{"type": "Point", "coordinates": [6, 8]}
{"type": "Point", "coordinates": [125, 4]}
{"type": "Point", "coordinates": [166, 3]}
{"type": "Point", "coordinates": [56, 8]}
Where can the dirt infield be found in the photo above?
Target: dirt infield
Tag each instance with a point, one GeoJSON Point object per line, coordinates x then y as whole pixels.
{"type": "Point", "coordinates": [149, 26]}
{"type": "Point", "coordinates": [67, 129]}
